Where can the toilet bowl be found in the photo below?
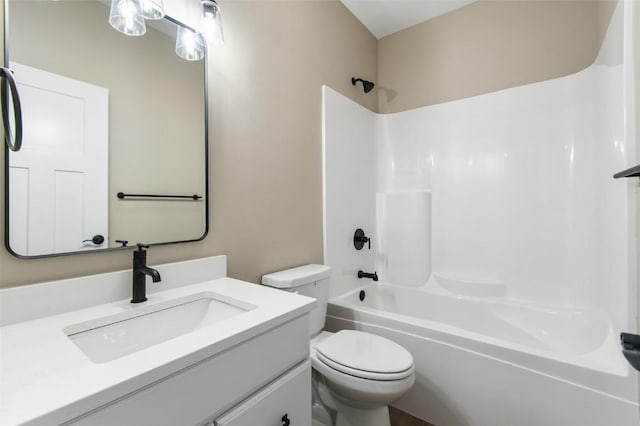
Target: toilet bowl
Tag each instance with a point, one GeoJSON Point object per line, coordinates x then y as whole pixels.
{"type": "Point", "coordinates": [363, 373]}
{"type": "Point", "coordinates": [358, 374]}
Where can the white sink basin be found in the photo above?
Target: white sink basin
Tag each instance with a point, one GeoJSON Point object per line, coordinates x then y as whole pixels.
{"type": "Point", "coordinates": [108, 338]}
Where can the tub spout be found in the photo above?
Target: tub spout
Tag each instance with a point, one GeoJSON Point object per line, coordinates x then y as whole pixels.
{"type": "Point", "coordinates": [362, 274]}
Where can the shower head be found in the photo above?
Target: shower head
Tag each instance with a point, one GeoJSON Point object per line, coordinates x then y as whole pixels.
{"type": "Point", "coordinates": [367, 85]}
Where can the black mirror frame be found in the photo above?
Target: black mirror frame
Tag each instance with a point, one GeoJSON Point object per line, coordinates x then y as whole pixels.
{"type": "Point", "coordinates": [108, 249]}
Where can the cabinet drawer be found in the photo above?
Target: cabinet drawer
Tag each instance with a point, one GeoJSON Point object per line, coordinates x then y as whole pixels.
{"type": "Point", "coordinates": [285, 402]}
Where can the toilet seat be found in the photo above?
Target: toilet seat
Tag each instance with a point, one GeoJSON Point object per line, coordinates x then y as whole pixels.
{"type": "Point", "coordinates": [364, 374]}
{"type": "Point", "coordinates": [365, 355]}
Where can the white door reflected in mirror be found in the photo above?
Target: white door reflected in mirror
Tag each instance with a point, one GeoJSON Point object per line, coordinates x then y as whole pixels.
{"type": "Point", "coordinates": [59, 181]}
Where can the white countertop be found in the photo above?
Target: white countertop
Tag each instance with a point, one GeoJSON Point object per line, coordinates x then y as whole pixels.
{"type": "Point", "coordinates": [43, 373]}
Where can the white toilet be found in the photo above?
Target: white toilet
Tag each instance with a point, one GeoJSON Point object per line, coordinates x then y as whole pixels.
{"type": "Point", "coordinates": [358, 374]}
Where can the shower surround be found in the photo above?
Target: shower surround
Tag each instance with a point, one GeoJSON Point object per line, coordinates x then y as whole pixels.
{"type": "Point", "coordinates": [504, 199]}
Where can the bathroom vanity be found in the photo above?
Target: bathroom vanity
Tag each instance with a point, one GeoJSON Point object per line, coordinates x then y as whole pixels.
{"type": "Point", "coordinates": [203, 350]}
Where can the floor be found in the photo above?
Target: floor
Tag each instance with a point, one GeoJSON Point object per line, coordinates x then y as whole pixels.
{"type": "Point", "coordinates": [400, 418]}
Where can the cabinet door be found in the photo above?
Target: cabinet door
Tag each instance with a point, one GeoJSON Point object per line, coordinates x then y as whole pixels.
{"type": "Point", "coordinates": [286, 402]}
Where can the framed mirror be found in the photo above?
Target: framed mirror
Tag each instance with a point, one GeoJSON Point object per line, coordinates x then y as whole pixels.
{"type": "Point", "coordinates": [114, 147]}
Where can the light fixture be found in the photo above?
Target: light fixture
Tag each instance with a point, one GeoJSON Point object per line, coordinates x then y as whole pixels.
{"type": "Point", "coordinates": [126, 17]}
{"type": "Point", "coordinates": [152, 9]}
{"type": "Point", "coordinates": [190, 45]}
{"type": "Point", "coordinates": [212, 22]}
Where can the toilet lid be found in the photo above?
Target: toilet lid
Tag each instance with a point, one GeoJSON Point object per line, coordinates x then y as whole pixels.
{"type": "Point", "coordinates": [365, 355]}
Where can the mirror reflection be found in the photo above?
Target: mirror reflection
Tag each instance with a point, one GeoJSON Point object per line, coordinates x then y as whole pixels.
{"type": "Point", "coordinates": [103, 113]}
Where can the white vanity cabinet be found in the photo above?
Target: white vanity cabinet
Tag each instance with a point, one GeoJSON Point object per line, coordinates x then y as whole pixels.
{"type": "Point", "coordinates": [256, 383]}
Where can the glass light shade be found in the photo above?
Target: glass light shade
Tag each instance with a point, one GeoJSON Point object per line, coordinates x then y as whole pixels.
{"type": "Point", "coordinates": [126, 17]}
{"type": "Point", "coordinates": [152, 9]}
{"type": "Point", "coordinates": [190, 45]}
{"type": "Point", "coordinates": [212, 22]}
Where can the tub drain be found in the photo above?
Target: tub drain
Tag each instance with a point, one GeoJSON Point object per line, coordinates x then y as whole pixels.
{"type": "Point", "coordinates": [362, 295]}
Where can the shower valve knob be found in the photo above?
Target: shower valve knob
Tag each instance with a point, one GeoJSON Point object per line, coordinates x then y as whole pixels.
{"type": "Point", "coordinates": [359, 239]}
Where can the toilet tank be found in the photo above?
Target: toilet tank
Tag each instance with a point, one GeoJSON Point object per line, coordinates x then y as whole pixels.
{"type": "Point", "coordinates": [307, 280]}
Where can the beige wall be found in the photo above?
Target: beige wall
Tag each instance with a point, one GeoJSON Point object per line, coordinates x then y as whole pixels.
{"type": "Point", "coordinates": [488, 46]}
{"type": "Point", "coordinates": [265, 136]}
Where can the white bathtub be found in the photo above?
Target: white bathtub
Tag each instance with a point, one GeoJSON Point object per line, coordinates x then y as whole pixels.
{"type": "Point", "coordinates": [489, 361]}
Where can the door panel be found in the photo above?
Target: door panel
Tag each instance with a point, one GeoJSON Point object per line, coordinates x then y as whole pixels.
{"type": "Point", "coordinates": [59, 197]}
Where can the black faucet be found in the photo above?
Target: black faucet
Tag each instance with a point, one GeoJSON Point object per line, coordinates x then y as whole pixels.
{"type": "Point", "coordinates": [373, 276]}
{"type": "Point", "coordinates": [140, 272]}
